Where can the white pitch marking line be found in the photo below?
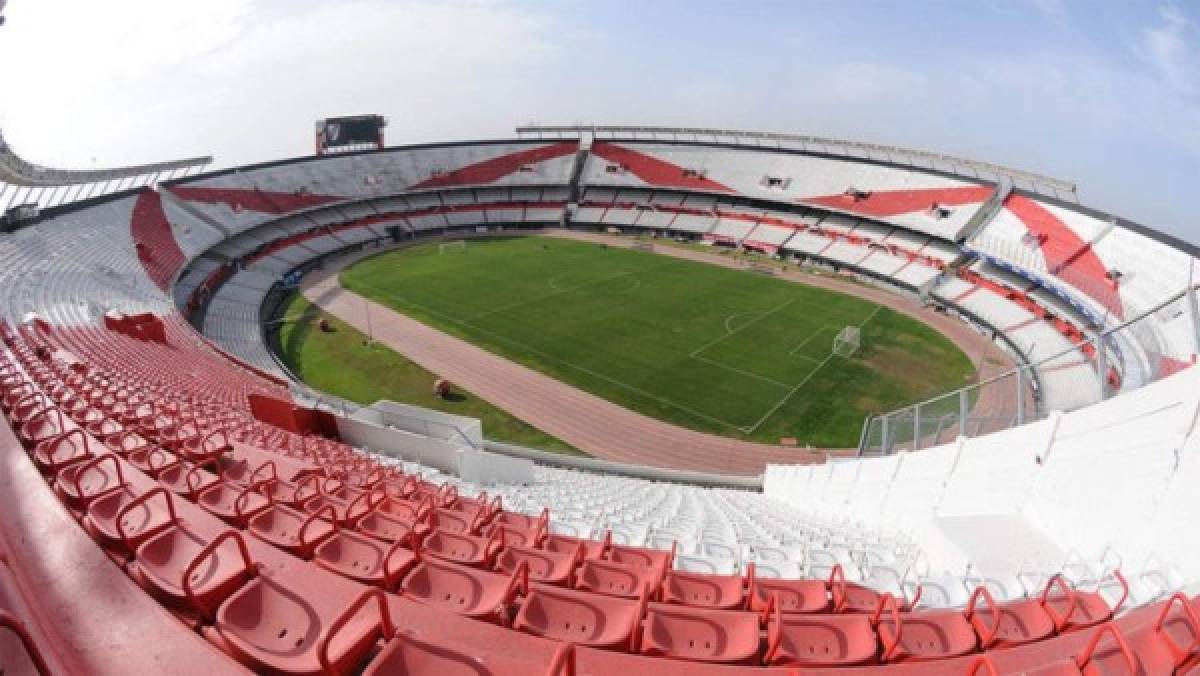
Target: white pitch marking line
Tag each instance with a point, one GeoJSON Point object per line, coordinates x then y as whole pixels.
{"type": "Point", "coordinates": [871, 316]}
{"type": "Point", "coordinates": [808, 340]}
{"type": "Point", "coordinates": [738, 370]}
{"type": "Point", "coordinates": [787, 396]}
{"type": "Point", "coordinates": [732, 317]}
{"type": "Point", "coordinates": [739, 329]}
{"type": "Point", "coordinates": [808, 377]}
{"type": "Point", "coordinates": [637, 284]}
{"type": "Point", "coordinates": [564, 362]}
{"type": "Point", "coordinates": [554, 284]}
{"type": "Point", "coordinates": [558, 292]}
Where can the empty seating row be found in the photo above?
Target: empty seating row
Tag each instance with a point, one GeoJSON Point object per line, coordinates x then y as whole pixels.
{"type": "Point", "coordinates": [131, 516]}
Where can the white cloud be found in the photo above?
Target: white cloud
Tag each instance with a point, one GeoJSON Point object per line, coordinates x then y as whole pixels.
{"type": "Point", "coordinates": [143, 80]}
{"type": "Point", "coordinates": [244, 79]}
{"type": "Point", "coordinates": [1169, 49]}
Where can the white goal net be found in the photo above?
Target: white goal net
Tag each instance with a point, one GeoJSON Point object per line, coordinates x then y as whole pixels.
{"type": "Point", "coordinates": [847, 342]}
{"type": "Point", "coordinates": [457, 246]}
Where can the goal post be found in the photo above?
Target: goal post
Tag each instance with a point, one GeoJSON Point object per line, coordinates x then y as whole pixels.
{"type": "Point", "coordinates": [457, 246]}
{"type": "Point", "coordinates": [847, 342]}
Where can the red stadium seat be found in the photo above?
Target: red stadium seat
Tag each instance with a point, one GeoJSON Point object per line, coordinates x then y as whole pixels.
{"type": "Point", "coordinates": [701, 634]}
{"type": "Point", "coordinates": [445, 495]}
{"type": "Point", "coordinates": [345, 511]}
{"type": "Point", "coordinates": [592, 549]}
{"type": "Point", "coordinates": [457, 521]}
{"type": "Point", "coordinates": [127, 517]}
{"type": "Point", "coordinates": [125, 442]}
{"type": "Point", "coordinates": [469, 550]}
{"type": "Point", "coordinates": [405, 509]}
{"type": "Point", "coordinates": [288, 493]}
{"type": "Point", "coordinates": [42, 426]}
{"type": "Point", "coordinates": [152, 460]}
{"type": "Point", "coordinates": [614, 579]}
{"type": "Point", "coordinates": [279, 626]}
{"type": "Point", "coordinates": [232, 503]}
{"type": "Point", "coordinates": [26, 406]}
{"type": "Point", "coordinates": [464, 591]}
{"type": "Point", "coordinates": [104, 428]}
{"type": "Point", "coordinates": [1087, 608]}
{"type": "Point", "coordinates": [479, 507]}
{"type": "Point", "coordinates": [512, 536]}
{"type": "Point", "coordinates": [859, 598]}
{"type": "Point", "coordinates": [521, 529]}
{"type": "Point", "coordinates": [55, 453]}
{"type": "Point", "coordinates": [837, 640]}
{"type": "Point", "coordinates": [931, 635]}
{"type": "Point", "coordinates": [79, 484]}
{"type": "Point", "coordinates": [187, 480]}
{"type": "Point", "coordinates": [17, 390]}
{"type": "Point", "coordinates": [406, 654]}
{"type": "Point", "coordinates": [1171, 643]}
{"type": "Point", "coordinates": [365, 559]}
{"type": "Point", "coordinates": [400, 489]}
{"type": "Point", "coordinates": [188, 570]}
{"type": "Point", "coordinates": [390, 528]}
{"type": "Point", "coordinates": [555, 568]}
{"type": "Point", "coordinates": [85, 416]}
{"type": "Point", "coordinates": [291, 530]}
{"type": "Point", "coordinates": [656, 560]}
{"type": "Point", "coordinates": [242, 472]}
{"type": "Point", "coordinates": [1013, 623]}
{"type": "Point", "coordinates": [1117, 658]}
{"type": "Point", "coordinates": [795, 596]}
{"type": "Point", "coordinates": [582, 618]}
{"type": "Point", "coordinates": [197, 448]}
{"type": "Point", "coordinates": [702, 590]}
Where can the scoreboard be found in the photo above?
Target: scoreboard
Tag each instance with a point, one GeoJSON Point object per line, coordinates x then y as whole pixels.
{"type": "Point", "coordinates": [346, 134]}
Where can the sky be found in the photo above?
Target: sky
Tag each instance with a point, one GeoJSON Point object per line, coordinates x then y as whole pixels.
{"type": "Point", "coordinates": [1100, 92]}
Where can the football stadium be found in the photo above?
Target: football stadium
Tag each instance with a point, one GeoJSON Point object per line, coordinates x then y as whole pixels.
{"type": "Point", "coordinates": [592, 399]}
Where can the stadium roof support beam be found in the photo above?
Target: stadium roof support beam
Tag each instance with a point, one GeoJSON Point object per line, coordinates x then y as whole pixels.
{"type": "Point", "coordinates": [24, 183]}
{"type": "Point", "coordinates": [919, 159]}
{"type": "Point", "coordinates": [987, 211]}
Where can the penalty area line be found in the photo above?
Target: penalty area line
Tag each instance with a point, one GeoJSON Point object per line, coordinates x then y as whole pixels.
{"type": "Point", "coordinates": [801, 384]}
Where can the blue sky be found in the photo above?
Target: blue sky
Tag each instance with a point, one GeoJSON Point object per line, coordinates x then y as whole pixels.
{"type": "Point", "coordinates": [1103, 93]}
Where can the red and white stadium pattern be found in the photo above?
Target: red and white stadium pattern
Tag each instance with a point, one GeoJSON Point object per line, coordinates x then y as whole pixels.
{"type": "Point", "coordinates": [171, 507]}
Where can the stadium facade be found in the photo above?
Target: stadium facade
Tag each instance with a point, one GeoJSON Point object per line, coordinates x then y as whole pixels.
{"type": "Point", "coordinates": [256, 522]}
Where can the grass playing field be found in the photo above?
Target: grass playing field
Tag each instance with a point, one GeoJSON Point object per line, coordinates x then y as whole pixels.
{"type": "Point", "coordinates": [718, 350]}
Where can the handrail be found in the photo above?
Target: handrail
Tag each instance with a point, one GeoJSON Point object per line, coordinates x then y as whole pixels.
{"type": "Point", "coordinates": [1029, 369]}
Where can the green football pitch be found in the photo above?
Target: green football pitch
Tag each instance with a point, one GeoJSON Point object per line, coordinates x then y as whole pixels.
{"type": "Point", "coordinates": [723, 351]}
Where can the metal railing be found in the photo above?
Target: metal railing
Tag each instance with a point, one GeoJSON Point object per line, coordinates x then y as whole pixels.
{"type": "Point", "coordinates": [1126, 357]}
{"type": "Point", "coordinates": [920, 159]}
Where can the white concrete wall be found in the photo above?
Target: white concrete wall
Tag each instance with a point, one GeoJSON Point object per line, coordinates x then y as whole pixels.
{"type": "Point", "coordinates": [396, 443]}
{"type": "Point", "coordinates": [444, 426]}
{"type": "Point", "coordinates": [1111, 483]}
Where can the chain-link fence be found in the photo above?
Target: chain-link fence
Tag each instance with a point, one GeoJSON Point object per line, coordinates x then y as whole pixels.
{"type": "Point", "coordinates": [1156, 343]}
